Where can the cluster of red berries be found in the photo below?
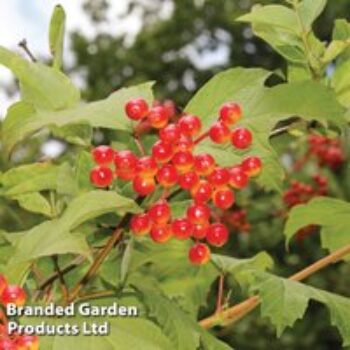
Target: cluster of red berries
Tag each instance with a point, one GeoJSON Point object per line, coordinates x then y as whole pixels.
{"type": "Point", "coordinates": [300, 193]}
{"type": "Point", "coordinates": [327, 151]}
{"type": "Point", "coordinates": [237, 219]}
{"type": "Point", "coordinates": [172, 162]}
{"type": "Point", "coordinates": [13, 294]}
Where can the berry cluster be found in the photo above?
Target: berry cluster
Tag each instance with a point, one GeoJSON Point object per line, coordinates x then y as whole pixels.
{"type": "Point", "coordinates": [237, 219]}
{"type": "Point", "coordinates": [299, 192]}
{"type": "Point", "coordinates": [327, 151]}
{"type": "Point", "coordinates": [13, 294]}
{"type": "Point", "coordinates": [172, 162]}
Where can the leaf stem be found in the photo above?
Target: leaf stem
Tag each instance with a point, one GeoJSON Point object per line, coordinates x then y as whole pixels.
{"type": "Point", "coordinates": [24, 45]}
{"type": "Point", "coordinates": [236, 312]}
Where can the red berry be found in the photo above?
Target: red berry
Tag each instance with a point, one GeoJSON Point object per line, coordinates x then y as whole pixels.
{"type": "Point", "coordinates": [103, 155]}
{"type": "Point", "coordinates": [170, 106]}
{"type": "Point", "coordinates": [188, 180]}
{"type": "Point", "coordinates": [182, 228]}
{"type": "Point", "coordinates": [125, 163]}
{"type": "Point", "coordinates": [136, 109]}
{"type": "Point", "coordinates": [217, 235]}
{"type": "Point", "coordinates": [202, 191]}
{"type": "Point", "coordinates": [3, 283]}
{"type": "Point", "coordinates": [160, 233]}
{"type": "Point", "coordinates": [162, 151]}
{"type": "Point", "coordinates": [241, 138]}
{"type": "Point", "coordinates": [167, 175]}
{"type": "Point", "coordinates": [184, 143]}
{"type": "Point", "coordinates": [190, 125]}
{"type": "Point", "coordinates": [238, 178]}
{"type": "Point", "coordinates": [230, 113]}
{"type": "Point", "coordinates": [170, 133]}
{"type": "Point", "coordinates": [140, 224]}
{"type": "Point", "coordinates": [200, 230]}
{"type": "Point", "coordinates": [223, 197]}
{"type": "Point", "coordinates": [198, 213]}
{"type": "Point", "coordinates": [143, 185]}
{"type": "Point", "coordinates": [219, 132]}
{"type": "Point", "coordinates": [7, 344]}
{"type": "Point", "coordinates": [204, 164]}
{"type": "Point", "coordinates": [219, 177]}
{"type": "Point", "coordinates": [13, 294]}
{"type": "Point", "coordinates": [199, 254]}
{"type": "Point", "coordinates": [252, 166]}
{"type": "Point", "coordinates": [183, 161]}
{"type": "Point", "coordinates": [158, 117]}
{"type": "Point", "coordinates": [146, 167]}
{"type": "Point", "coordinates": [101, 176]}
{"type": "Point", "coordinates": [27, 342]}
{"type": "Point", "coordinates": [160, 212]}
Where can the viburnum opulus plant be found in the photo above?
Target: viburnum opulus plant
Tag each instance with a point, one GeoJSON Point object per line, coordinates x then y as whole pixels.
{"type": "Point", "coordinates": [172, 164]}
{"type": "Point", "coordinates": [146, 203]}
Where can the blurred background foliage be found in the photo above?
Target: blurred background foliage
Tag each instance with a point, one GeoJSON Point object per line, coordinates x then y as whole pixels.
{"type": "Point", "coordinates": [180, 45]}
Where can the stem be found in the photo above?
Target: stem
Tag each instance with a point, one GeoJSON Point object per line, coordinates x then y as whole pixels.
{"type": "Point", "coordinates": [201, 137]}
{"type": "Point", "coordinates": [304, 34]}
{"type": "Point", "coordinates": [63, 284]}
{"type": "Point", "coordinates": [238, 311]}
{"type": "Point", "coordinates": [102, 255]}
{"type": "Point", "coordinates": [139, 144]}
{"type": "Point", "coordinates": [220, 294]}
{"type": "Point", "coordinates": [24, 45]}
{"type": "Point", "coordinates": [96, 295]}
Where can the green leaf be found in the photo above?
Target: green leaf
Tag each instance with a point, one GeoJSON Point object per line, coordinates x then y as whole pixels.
{"type": "Point", "coordinates": [309, 10]}
{"type": "Point", "coordinates": [284, 301]}
{"type": "Point", "coordinates": [93, 204]}
{"type": "Point", "coordinates": [275, 16]}
{"type": "Point", "coordinates": [341, 83]}
{"type": "Point", "coordinates": [334, 49]}
{"type": "Point", "coordinates": [24, 120]}
{"type": "Point", "coordinates": [184, 333]}
{"type": "Point", "coordinates": [84, 164]}
{"type": "Point", "coordinates": [45, 87]}
{"type": "Point", "coordinates": [230, 265]}
{"type": "Point", "coordinates": [35, 203]}
{"type": "Point", "coordinates": [341, 30]}
{"type": "Point", "coordinates": [48, 238]}
{"type": "Point", "coordinates": [332, 214]}
{"type": "Point", "coordinates": [56, 35]}
{"type": "Point", "coordinates": [126, 260]}
{"type": "Point", "coordinates": [78, 134]}
{"type": "Point", "coordinates": [34, 177]}
{"type": "Point", "coordinates": [177, 277]}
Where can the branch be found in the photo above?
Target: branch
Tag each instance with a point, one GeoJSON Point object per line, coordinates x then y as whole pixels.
{"type": "Point", "coordinates": [64, 288]}
{"type": "Point", "coordinates": [238, 311]}
{"type": "Point", "coordinates": [102, 255]}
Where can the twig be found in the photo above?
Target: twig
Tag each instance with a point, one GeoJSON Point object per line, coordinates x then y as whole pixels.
{"type": "Point", "coordinates": [64, 288]}
{"type": "Point", "coordinates": [238, 311]}
{"type": "Point", "coordinates": [220, 294]}
{"type": "Point", "coordinates": [102, 255]}
{"type": "Point", "coordinates": [201, 137]}
{"type": "Point", "coordinates": [96, 295]}
{"type": "Point", "coordinates": [139, 144]}
{"type": "Point", "coordinates": [24, 45]}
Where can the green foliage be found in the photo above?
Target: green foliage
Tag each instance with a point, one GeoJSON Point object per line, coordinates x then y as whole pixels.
{"type": "Point", "coordinates": [56, 35]}
{"type": "Point", "coordinates": [284, 301]}
{"type": "Point", "coordinates": [332, 214]}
